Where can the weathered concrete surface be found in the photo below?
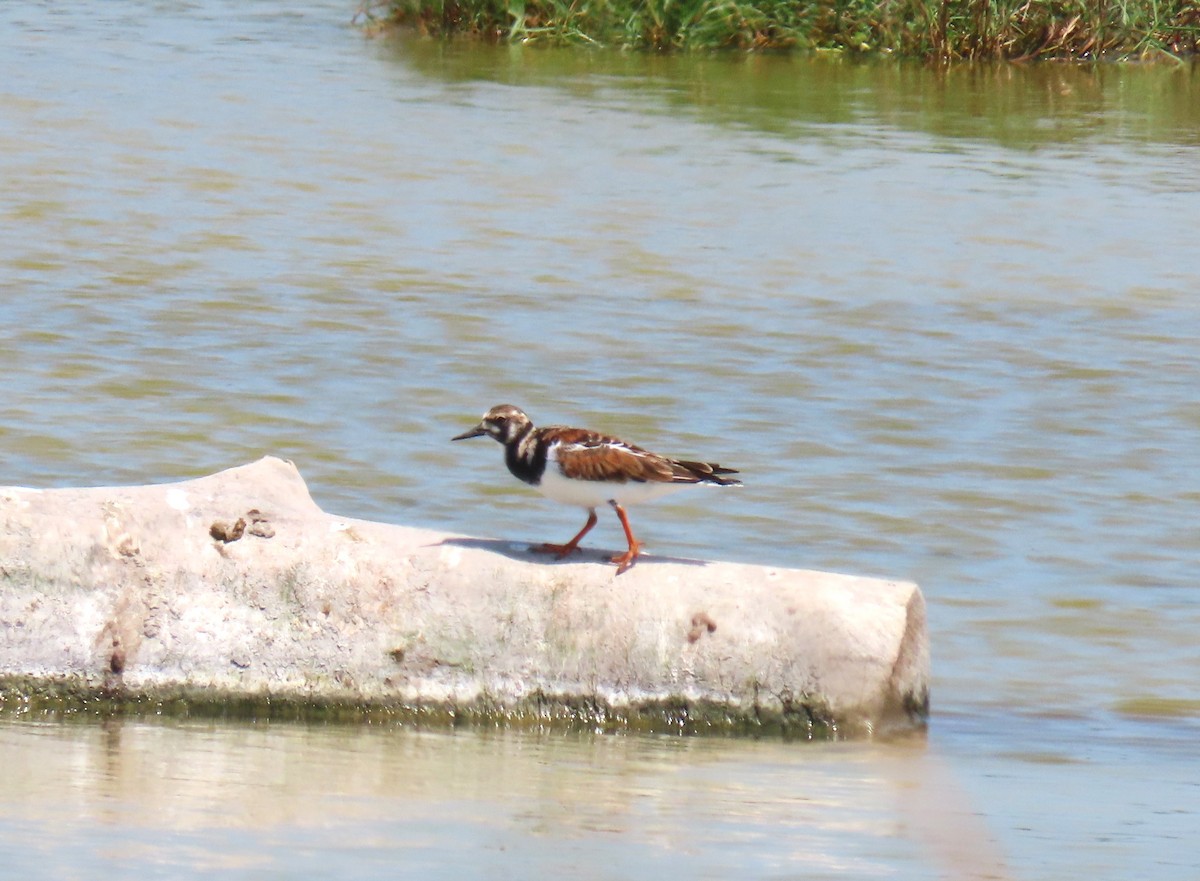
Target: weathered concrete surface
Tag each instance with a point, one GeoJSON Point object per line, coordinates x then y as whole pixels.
{"type": "Point", "coordinates": [126, 592]}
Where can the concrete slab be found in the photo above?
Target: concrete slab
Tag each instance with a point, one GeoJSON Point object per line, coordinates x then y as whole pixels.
{"type": "Point", "coordinates": [236, 590]}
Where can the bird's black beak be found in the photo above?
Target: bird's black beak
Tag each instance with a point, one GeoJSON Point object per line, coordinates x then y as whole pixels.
{"type": "Point", "coordinates": [477, 431]}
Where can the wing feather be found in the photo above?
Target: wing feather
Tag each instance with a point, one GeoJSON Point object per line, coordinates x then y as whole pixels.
{"type": "Point", "coordinates": [586, 455]}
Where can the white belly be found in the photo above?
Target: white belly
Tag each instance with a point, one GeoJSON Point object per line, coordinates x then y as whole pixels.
{"type": "Point", "coordinates": [592, 493]}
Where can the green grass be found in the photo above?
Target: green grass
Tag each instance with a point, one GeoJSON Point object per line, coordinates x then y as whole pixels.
{"type": "Point", "coordinates": [931, 29]}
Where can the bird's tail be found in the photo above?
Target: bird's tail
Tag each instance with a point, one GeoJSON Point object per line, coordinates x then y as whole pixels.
{"type": "Point", "coordinates": [709, 472]}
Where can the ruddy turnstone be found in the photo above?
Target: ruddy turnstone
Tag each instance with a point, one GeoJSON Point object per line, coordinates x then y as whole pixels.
{"type": "Point", "coordinates": [580, 467]}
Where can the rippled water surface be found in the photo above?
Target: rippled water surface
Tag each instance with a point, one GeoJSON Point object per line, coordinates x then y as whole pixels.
{"type": "Point", "coordinates": [945, 322]}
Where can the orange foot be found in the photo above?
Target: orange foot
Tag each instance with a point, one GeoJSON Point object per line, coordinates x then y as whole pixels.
{"type": "Point", "coordinates": [626, 560]}
{"type": "Point", "coordinates": [559, 551]}
{"type": "Point", "coordinates": [573, 545]}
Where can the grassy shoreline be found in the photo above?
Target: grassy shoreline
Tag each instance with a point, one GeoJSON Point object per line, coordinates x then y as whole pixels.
{"type": "Point", "coordinates": [930, 29]}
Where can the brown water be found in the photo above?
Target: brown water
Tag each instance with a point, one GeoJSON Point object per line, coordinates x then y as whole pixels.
{"type": "Point", "coordinates": [946, 324]}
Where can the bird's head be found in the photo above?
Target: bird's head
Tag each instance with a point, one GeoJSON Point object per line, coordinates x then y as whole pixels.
{"type": "Point", "coordinates": [504, 423]}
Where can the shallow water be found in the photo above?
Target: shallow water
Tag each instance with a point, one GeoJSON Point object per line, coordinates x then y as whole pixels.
{"type": "Point", "coordinates": [944, 322]}
{"type": "Point", "coordinates": [192, 799]}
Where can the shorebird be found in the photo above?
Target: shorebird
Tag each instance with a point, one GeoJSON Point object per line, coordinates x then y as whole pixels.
{"type": "Point", "coordinates": [576, 466]}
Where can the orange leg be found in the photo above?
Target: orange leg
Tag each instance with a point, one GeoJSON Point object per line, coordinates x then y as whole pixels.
{"type": "Point", "coordinates": [573, 544]}
{"type": "Point", "coordinates": [625, 560]}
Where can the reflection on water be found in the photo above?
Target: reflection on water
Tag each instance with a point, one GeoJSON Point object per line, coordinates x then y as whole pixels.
{"type": "Point", "coordinates": [184, 800]}
{"type": "Point", "coordinates": [1013, 106]}
{"type": "Point", "coordinates": [944, 323]}
{"type": "Point", "coordinates": [192, 799]}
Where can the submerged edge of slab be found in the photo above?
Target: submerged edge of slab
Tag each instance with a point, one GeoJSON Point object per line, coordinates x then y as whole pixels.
{"type": "Point", "coordinates": [236, 593]}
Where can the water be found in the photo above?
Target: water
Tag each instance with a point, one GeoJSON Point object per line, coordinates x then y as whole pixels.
{"type": "Point", "coordinates": [944, 322]}
{"type": "Point", "coordinates": [264, 802]}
